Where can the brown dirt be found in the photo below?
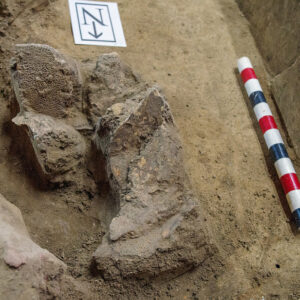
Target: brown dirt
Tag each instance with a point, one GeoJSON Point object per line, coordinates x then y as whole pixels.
{"type": "Point", "coordinates": [190, 49]}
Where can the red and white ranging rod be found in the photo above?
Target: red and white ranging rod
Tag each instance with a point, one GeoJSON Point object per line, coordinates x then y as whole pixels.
{"type": "Point", "coordinates": [277, 150]}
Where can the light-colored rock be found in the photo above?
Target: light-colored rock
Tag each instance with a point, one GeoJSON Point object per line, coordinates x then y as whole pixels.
{"type": "Point", "coordinates": [154, 231]}
{"type": "Point", "coordinates": [26, 270]}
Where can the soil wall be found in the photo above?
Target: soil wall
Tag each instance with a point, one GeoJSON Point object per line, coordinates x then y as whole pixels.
{"type": "Point", "coordinates": [275, 27]}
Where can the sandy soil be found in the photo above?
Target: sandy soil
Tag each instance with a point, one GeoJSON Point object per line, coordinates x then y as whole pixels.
{"type": "Point", "coordinates": [190, 49]}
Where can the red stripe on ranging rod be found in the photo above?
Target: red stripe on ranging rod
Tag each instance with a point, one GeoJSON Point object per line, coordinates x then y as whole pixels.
{"type": "Point", "coordinates": [266, 123]}
{"type": "Point", "coordinates": [290, 182]}
{"type": "Point", "coordinates": [247, 74]}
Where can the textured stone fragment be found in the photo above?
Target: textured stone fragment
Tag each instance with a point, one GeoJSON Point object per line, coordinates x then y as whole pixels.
{"type": "Point", "coordinates": [154, 231]}
{"type": "Point", "coordinates": [26, 270]}
{"type": "Point", "coordinates": [55, 147]}
{"type": "Point", "coordinates": [47, 82]}
{"type": "Point", "coordinates": [110, 81]}
{"type": "Point", "coordinates": [48, 94]}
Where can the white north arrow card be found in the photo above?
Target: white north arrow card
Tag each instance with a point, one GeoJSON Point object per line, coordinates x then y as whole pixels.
{"type": "Point", "coordinates": [96, 23]}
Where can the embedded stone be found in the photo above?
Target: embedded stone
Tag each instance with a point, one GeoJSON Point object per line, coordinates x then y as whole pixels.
{"type": "Point", "coordinates": [154, 231]}
{"type": "Point", "coordinates": [53, 147]}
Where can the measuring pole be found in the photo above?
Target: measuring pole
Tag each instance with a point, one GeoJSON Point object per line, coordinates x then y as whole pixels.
{"type": "Point", "coordinates": [277, 150]}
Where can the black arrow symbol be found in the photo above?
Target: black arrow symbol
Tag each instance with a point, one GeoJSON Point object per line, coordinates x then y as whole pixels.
{"type": "Point", "coordinates": [95, 35]}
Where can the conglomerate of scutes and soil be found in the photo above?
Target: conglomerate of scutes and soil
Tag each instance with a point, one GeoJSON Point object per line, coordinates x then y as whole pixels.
{"type": "Point", "coordinates": [153, 232]}
{"type": "Point", "coordinates": [154, 229]}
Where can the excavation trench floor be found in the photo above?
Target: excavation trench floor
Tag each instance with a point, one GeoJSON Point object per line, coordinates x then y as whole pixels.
{"type": "Point", "coordinates": [190, 49]}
